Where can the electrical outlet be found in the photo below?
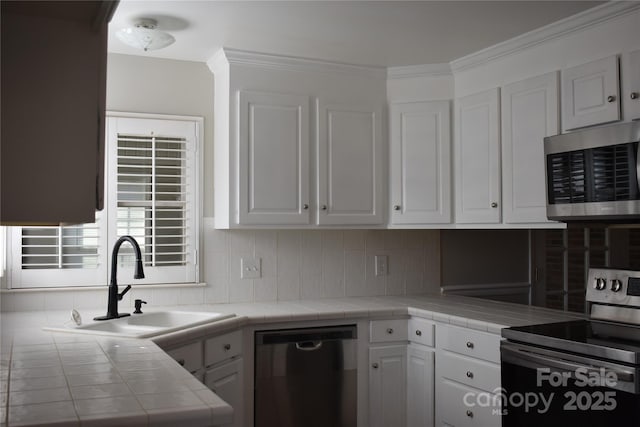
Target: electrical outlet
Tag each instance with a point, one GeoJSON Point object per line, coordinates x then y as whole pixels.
{"type": "Point", "coordinates": [382, 265]}
{"type": "Point", "coordinates": [250, 268]}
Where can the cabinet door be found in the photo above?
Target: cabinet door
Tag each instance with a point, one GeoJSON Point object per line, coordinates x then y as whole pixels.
{"type": "Point", "coordinates": [420, 386]}
{"type": "Point", "coordinates": [477, 153]}
{"type": "Point", "coordinates": [350, 165]}
{"type": "Point", "coordinates": [387, 386]}
{"type": "Point", "coordinates": [226, 381]}
{"type": "Point", "coordinates": [590, 94]}
{"type": "Point", "coordinates": [529, 113]}
{"type": "Point", "coordinates": [631, 88]}
{"type": "Point", "coordinates": [420, 164]}
{"type": "Point", "coordinates": [273, 159]}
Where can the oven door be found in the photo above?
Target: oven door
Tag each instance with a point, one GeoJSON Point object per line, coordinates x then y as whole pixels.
{"type": "Point", "coordinates": [544, 387]}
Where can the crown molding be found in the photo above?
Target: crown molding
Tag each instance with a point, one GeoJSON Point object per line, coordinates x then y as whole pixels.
{"type": "Point", "coordinates": [571, 24]}
{"type": "Point", "coordinates": [293, 63]}
{"type": "Point", "coordinates": [424, 70]}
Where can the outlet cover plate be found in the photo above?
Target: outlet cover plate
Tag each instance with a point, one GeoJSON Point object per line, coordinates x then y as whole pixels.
{"type": "Point", "coordinates": [250, 268]}
{"type": "Point", "coordinates": [382, 265]}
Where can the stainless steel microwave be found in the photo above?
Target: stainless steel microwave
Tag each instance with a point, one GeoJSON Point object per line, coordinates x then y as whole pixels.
{"type": "Point", "coordinates": [594, 174]}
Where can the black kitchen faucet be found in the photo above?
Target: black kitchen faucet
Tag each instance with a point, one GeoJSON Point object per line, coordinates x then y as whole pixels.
{"type": "Point", "coordinates": [114, 296]}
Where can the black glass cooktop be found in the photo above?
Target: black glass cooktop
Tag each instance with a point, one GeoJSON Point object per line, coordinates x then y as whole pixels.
{"type": "Point", "coordinates": [605, 340]}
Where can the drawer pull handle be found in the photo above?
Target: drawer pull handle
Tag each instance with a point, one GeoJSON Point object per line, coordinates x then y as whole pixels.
{"type": "Point", "coordinates": [469, 413]}
{"type": "Point", "coordinates": [469, 344]}
{"type": "Point", "coordinates": [374, 365]}
{"type": "Point", "coordinates": [181, 362]}
{"type": "Point", "coordinates": [634, 95]}
{"type": "Point", "coordinates": [227, 347]}
{"type": "Point", "coordinates": [389, 330]}
{"type": "Point", "coordinates": [418, 332]}
{"type": "Point", "coordinates": [611, 98]}
{"type": "Point", "coordinates": [469, 374]}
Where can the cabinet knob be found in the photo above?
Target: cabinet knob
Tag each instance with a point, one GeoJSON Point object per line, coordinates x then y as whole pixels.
{"type": "Point", "coordinates": [634, 95]}
{"type": "Point", "coordinates": [469, 344]}
{"type": "Point", "coordinates": [611, 98]}
{"type": "Point", "coordinates": [181, 362]}
{"type": "Point", "coordinates": [305, 206]}
{"type": "Point", "coordinates": [323, 207]}
{"type": "Point", "coordinates": [494, 205]}
{"type": "Point", "coordinates": [418, 332]}
{"type": "Point", "coordinates": [469, 413]}
{"type": "Point", "coordinates": [227, 347]}
{"type": "Point", "coordinates": [374, 365]}
{"type": "Point", "coordinates": [469, 374]}
{"type": "Point", "coordinates": [396, 207]}
{"type": "Point", "coordinates": [389, 330]}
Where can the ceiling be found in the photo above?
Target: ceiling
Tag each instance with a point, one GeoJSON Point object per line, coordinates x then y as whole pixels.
{"type": "Point", "coordinates": [381, 33]}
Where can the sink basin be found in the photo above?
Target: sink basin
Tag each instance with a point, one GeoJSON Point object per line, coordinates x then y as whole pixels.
{"type": "Point", "coordinates": [146, 325]}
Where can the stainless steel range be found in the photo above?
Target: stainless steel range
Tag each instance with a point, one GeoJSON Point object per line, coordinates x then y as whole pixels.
{"type": "Point", "coordinates": [583, 372]}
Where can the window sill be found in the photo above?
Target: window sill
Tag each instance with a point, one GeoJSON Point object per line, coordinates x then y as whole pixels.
{"type": "Point", "coordinates": [93, 288]}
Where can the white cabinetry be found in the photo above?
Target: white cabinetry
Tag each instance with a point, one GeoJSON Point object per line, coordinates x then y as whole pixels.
{"type": "Point", "coordinates": [224, 373]}
{"type": "Point", "coordinates": [420, 163]}
{"type": "Point", "coordinates": [297, 143]}
{"type": "Point", "coordinates": [467, 367]}
{"type": "Point", "coordinates": [350, 165]}
{"type": "Point", "coordinates": [631, 85]}
{"type": "Point", "coordinates": [477, 158]}
{"type": "Point", "coordinates": [420, 373]}
{"type": "Point", "coordinates": [590, 93]}
{"type": "Point", "coordinates": [274, 159]}
{"type": "Point", "coordinates": [529, 113]}
{"type": "Point", "coordinates": [387, 385]}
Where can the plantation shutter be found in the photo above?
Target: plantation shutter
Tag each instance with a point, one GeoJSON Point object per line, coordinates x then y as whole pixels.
{"type": "Point", "coordinates": [154, 198]}
{"type": "Point", "coordinates": [59, 256]}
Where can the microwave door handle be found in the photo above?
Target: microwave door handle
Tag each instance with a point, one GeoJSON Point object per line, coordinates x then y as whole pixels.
{"type": "Point", "coordinates": [638, 166]}
{"type": "Point", "coordinates": [519, 357]}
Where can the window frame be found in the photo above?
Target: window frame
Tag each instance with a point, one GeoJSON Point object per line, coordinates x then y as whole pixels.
{"type": "Point", "coordinates": [73, 278]}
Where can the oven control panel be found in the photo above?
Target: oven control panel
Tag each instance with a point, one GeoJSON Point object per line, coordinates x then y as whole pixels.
{"type": "Point", "coordinates": [610, 286]}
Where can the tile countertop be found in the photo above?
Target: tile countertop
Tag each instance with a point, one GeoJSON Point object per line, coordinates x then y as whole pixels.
{"type": "Point", "coordinates": [71, 379]}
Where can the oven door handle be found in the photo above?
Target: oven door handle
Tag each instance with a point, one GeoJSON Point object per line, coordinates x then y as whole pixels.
{"type": "Point", "coordinates": [522, 356]}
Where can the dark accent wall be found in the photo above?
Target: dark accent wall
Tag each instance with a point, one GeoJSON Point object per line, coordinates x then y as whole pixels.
{"type": "Point", "coordinates": [484, 256]}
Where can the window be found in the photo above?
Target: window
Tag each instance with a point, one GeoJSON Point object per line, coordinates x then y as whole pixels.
{"type": "Point", "coordinates": [152, 194]}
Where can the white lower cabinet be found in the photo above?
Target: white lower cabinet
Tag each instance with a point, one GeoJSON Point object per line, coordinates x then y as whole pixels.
{"type": "Point", "coordinates": [226, 381]}
{"type": "Point", "coordinates": [420, 385]}
{"type": "Point", "coordinates": [467, 377]}
{"type": "Point", "coordinates": [387, 385]}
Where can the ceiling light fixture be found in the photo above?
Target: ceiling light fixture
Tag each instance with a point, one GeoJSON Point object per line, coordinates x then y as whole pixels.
{"type": "Point", "coordinates": [144, 35]}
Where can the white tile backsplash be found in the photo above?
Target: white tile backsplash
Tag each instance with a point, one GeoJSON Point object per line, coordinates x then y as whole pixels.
{"type": "Point", "coordinates": [296, 264]}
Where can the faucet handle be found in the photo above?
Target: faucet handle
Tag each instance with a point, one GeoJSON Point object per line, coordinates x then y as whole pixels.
{"type": "Point", "coordinates": [121, 294]}
{"type": "Point", "coordinates": [138, 305]}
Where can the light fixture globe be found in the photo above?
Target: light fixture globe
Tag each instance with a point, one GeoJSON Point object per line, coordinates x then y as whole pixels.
{"type": "Point", "coordinates": [144, 35]}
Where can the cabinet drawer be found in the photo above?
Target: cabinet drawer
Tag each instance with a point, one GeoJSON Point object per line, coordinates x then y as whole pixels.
{"type": "Point", "coordinates": [457, 406]}
{"type": "Point", "coordinates": [473, 372]}
{"type": "Point", "coordinates": [389, 330]}
{"type": "Point", "coordinates": [421, 331]}
{"type": "Point", "coordinates": [222, 347]}
{"type": "Point", "coordinates": [189, 356]}
{"type": "Point", "coordinates": [467, 342]}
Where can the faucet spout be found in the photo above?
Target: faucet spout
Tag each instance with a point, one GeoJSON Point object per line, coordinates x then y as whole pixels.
{"type": "Point", "coordinates": [114, 296]}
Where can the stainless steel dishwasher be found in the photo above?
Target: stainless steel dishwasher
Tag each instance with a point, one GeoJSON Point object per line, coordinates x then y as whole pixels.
{"type": "Point", "coordinates": [306, 377]}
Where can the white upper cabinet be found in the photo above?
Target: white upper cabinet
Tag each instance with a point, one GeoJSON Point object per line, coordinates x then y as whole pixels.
{"type": "Point", "coordinates": [590, 94]}
{"type": "Point", "coordinates": [631, 85]}
{"type": "Point", "coordinates": [420, 163]}
{"type": "Point", "coordinates": [529, 113]}
{"type": "Point", "coordinates": [274, 159]}
{"type": "Point", "coordinates": [349, 165]}
{"type": "Point", "coordinates": [477, 158]}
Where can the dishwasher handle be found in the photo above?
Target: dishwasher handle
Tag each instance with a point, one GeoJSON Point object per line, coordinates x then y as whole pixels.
{"type": "Point", "coordinates": [309, 345]}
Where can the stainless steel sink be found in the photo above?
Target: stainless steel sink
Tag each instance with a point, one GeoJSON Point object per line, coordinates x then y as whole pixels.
{"type": "Point", "coordinates": [145, 325]}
